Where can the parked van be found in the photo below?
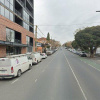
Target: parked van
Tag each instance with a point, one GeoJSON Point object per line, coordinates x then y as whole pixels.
{"type": "Point", "coordinates": [35, 56]}
{"type": "Point", "coordinates": [15, 65]}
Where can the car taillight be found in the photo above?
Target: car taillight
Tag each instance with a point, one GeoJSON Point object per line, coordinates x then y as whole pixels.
{"type": "Point", "coordinates": [12, 69]}
{"type": "Point", "coordinates": [35, 59]}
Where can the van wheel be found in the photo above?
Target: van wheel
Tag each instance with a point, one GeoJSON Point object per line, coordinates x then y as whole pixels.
{"type": "Point", "coordinates": [30, 67]}
{"type": "Point", "coordinates": [19, 73]}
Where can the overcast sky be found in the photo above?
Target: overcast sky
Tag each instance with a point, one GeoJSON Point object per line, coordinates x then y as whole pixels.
{"type": "Point", "coordinates": [62, 17]}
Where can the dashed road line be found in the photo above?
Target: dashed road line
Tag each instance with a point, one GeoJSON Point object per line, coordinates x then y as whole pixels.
{"type": "Point", "coordinates": [14, 81]}
{"type": "Point", "coordinates": [93, 67]}
{"type": "Point", "coordinates": [76, 78]}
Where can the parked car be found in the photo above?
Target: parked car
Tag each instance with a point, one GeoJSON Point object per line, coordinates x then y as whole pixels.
{"type": "Point", "coordinates": [35, 56]}
{"type": "Point", "coordinates": [50, 52]}
{"type": "Point", "coordinates": [43, 55]}
{"type": "Point", "coordinates": [83, 54]}
{"type": "Point", "coordinates": [15, 65]}
{"type": "Point", "coordinates": [78, 52]}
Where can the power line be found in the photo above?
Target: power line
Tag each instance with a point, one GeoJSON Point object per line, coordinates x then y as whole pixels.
{"type": "Point", "coordinates": [69, 25]}
{"type": "Point", "coordinates": [39, 34]}
{"type": "Point", "coordinates": [40, 31]}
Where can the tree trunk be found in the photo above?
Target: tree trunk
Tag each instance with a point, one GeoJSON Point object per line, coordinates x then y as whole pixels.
{"type": "Point", "coordinates": [92, 53]}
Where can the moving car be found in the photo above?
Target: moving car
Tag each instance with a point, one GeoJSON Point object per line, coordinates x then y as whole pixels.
{"type": "Point", "coordinates": [15, 65]}
{"type": "Point", "coordinates": [35, 56]}
{"type": "Point", "coordinates": [43, 55]}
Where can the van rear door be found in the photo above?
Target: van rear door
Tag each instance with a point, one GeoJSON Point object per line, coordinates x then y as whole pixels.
{"type": "Point", "coordinates": [5, 66]}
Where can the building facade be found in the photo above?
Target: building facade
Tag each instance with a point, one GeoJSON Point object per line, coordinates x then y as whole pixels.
{"type": "Point", "coordinates": [16, 27]}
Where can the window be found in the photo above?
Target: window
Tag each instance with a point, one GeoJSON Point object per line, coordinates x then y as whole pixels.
{"type": "Point", "coordinates": [26, 26]}
{"type": "Point", "coordinates": [11, 16]}
{"type": "Point", "coordinates": [10, 35]}
{"type": "Point", "coordinates": [2, 1]}
{"type": "Point", "coordinates": [6, 13]}
{"type": "Point", "coordinates": [2, 11]}
{"type": "Point", "coordinates": [11, 7]}
{"type": "Point", "coordinates": [25, 16]}
{"type": "Point", "coordinates": [27, 39]}
{"type": "Point", "coordinates": [11, 1]}
{"type": "Point", "coordinates": [7, 3]}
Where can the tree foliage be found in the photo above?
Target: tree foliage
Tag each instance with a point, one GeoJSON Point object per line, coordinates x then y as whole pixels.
{"type": "Point", "coordinates": [75, 45]}
{"type": "Point", "coordinates": [88, 39]}
{"type": "Point", "coordinates": [48, 36]}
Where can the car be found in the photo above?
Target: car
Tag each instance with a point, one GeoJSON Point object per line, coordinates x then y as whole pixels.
{"type": "Point", "coordinates": [50, 52]}
{"type": "Point", "coordinates": [35, 56]}
{"type": "Point", "coordinates": [43, 55]}
{"type": "Point", "coordinates": [14, 65]}
{"type": "Point", "coordinates": [83, 54]}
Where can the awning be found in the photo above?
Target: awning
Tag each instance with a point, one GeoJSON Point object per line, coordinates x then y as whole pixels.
{"type": "Point", "coordinates": [13, 44]}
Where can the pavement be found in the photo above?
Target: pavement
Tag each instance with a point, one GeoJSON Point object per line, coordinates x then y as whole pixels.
{"type": "Point", "coordinates": [62, 76]}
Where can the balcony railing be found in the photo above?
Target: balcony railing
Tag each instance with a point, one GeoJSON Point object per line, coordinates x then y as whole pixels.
{"type": "Point", "coordinates": [29, 12]}
{"type": "Point", "coordinates": [30, 3]}
{"type": "Point", "coordinates": [21, 2]}
{"type": "Point", "coordinates": [17, 41]}
{"type": "Point", "coordinates": [18, 13]}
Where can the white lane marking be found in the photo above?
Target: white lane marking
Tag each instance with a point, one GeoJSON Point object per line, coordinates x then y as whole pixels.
{"type": "Point", "coordinates": [35, 80]}
{"type": "Point", "coordinates": [14, 81]}
{"type": "Point", "coordinates": [93, 67]}
{"type": "Point", "coordinates": [76, 78]}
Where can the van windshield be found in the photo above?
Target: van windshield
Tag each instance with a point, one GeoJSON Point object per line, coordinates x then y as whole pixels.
{"type": "Point", "coordinates": [5, 63]}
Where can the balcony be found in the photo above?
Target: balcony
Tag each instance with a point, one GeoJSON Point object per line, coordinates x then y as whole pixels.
{"type": "Point", "coordinates": [30, 3]}
{"type": "Point", "coordinates": [17, 41]}
{"type": "Point", "coordinates": [29, 12]}
{"type": "Point", "coordinates": [21, 3]}
{"type": "Point", "coordinates": [18, 13]}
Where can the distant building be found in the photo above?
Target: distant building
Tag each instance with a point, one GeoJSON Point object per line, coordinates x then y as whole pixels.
{"type": "Point", "coordinates": [43, 40]}
{"type": "Point", "coordinates": [16, 27]}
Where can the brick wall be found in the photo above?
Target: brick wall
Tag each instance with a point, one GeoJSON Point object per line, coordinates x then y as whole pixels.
{"type": "Point", "coordinates": [4, 22]}
{"type": "Point", "coordinates": [2, 51]}
{"type": "Point", "coordinates": [2, 33]}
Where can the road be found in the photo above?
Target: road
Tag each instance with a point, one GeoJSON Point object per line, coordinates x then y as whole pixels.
{"type": "Point", "coordinates": [62, 76]}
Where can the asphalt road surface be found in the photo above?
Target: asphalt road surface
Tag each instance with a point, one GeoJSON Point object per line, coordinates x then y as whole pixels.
{"type": "Point", "coordinates": [62, 76]}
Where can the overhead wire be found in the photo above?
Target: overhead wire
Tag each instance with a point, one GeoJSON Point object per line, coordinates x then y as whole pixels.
{"type": "Point", "coordinates": [68, 25]}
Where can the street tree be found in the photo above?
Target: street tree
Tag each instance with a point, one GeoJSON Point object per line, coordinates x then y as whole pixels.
{"type": "Point", "coordinates": [75, 45]}
{"type": "Point", "coordinates": [48, 37]}
{"type": "Point", "coordinates": [89, 39]}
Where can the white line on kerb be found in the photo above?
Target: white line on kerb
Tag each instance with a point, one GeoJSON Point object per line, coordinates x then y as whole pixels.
{"type": "Point", "coordinates": [35, 80]}
{"type": "Point", "coordinates": [14, 81]}
{"type": "Point", "coordinates": [76, 78]}
{"type": "Point", "coordinates": [93, 67]}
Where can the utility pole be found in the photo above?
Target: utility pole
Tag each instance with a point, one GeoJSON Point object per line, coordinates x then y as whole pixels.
{"type": "Point", "coordinates": [36, 38]}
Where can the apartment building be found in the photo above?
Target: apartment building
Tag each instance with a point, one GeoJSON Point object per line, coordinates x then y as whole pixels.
{"type": "Point", "coordinates": [16, 27]}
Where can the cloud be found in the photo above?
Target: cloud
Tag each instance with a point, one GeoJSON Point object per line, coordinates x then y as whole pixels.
{"type": "Point", "coordinates": [69, 15]}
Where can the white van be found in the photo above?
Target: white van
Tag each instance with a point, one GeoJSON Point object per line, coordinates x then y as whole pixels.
{"type": "Point", "coordinates": [13, 66]}
{"type": "Point", "coordinates": [35, 56]}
